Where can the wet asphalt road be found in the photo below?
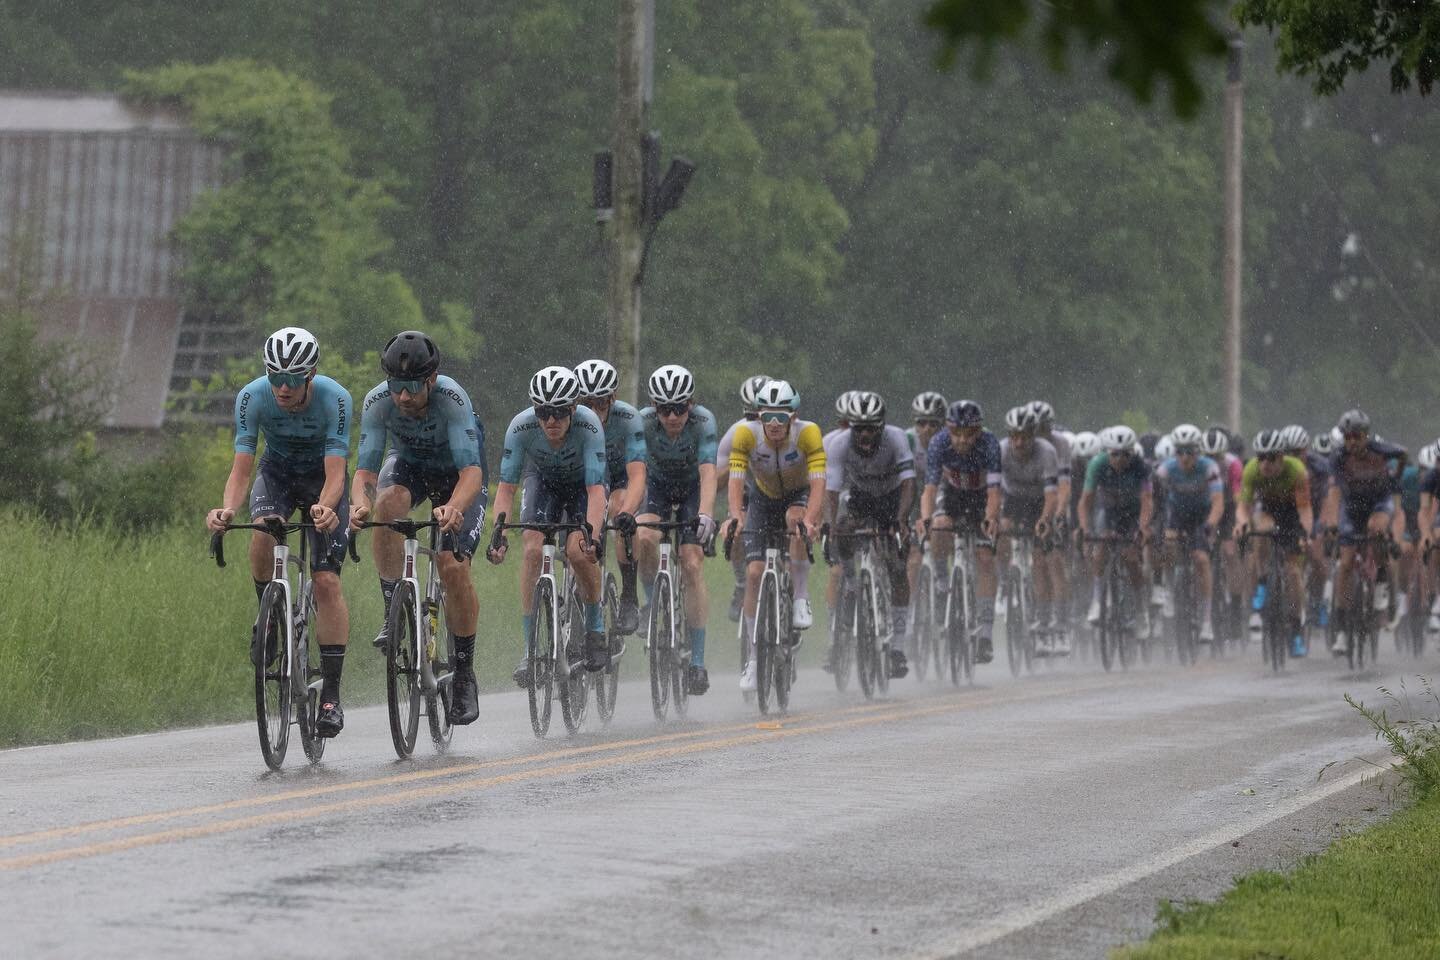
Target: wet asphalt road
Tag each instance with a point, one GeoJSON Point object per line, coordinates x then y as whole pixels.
{"type": "Point", "coordinates": [1033, 818]}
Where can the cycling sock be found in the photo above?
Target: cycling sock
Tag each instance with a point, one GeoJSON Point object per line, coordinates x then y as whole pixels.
{"type": "Point", "coordinates": [749, 638]}
{"type": "Point", "coordinates": [260, 586]}
{"type": "Point", "coordinates": [1095, 590]}
{"type": "Point", "coordinates": [527, 623]}
{"type": "Point", "coordinates": [332, 661]}
{"type": "Point", "coordinates": [465, 651]}
{"type": "Point", "coordinates": [801, 580]}
{"type": "Point", "coordinates": [649, 591]}
{"type": "Point", "coordinates": [627, 582]}
{"type": "Point", "coordinates": [387, 593]}
{"type": "Point", "coordinates": [899, 620]}
{"type": "Point", "coordinates": [697, 646]}
{"type": "Point", "coordinates": [594, 618]}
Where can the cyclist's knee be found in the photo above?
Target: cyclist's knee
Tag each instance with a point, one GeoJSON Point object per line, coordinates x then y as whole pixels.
{"type": "Point", "coordinates": [392, 502]}
{"type": "Point", "coordinates": [327, 587]}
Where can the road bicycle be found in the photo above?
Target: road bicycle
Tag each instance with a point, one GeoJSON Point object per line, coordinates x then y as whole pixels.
{"type": "Point", "coordinates": [667, 635]}
{"type": "Point", "coordinates": [1411, 635]}
{"type": "Point", "coordinates": [420, 647]}
{"type": "Point", "coordinates": [928, 648]}
{"type": "Point", "coordinates": [1362, 626]}
{"type": "Point", "coordinates": [554, 648]}
{"type": "Point", "coordinates": [864, 601]}
{"type": "Point", "coordinates": [284, 644]}
{"type": "Point", "coordinates": [776, 637]}
{"type": "Point", "coordinates": [1186, 600]}
{"type": "Point", "coordinates": [1115, 633]}
{"type": "Point", "coordinates": [1275, 628]}
{"type": "Point", "coordinates": [1019, 593]}
{"type": "Point", "coordinates": [961, 617]}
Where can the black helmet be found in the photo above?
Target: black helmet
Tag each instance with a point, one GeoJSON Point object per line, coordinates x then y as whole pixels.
{"type": "Point", "coordinates": [965, 413]}
{"type": "Point", "coordinates": [410, 355]}
{"type": "Point", "coordinates": [1354, 421]}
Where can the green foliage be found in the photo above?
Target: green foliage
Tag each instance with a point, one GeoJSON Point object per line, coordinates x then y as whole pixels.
{"type": "Point", "coordinates": [1331, 39]}
{"type": "Point", "coordinates": [1413, 740]}
{"type": "Point", "coordinates": [290, 237]}
{"type": "Point", "coordinates": [1145, 42]}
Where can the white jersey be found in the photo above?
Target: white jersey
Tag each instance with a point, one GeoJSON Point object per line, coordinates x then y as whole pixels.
{"type": "Point", "coordinates": [882, 472]}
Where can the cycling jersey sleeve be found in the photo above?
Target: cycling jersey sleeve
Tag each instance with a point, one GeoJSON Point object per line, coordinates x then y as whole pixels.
{"type": "Point", "coordinates": [635, 440]}
{"type": "Point", "coordinates": [706, 450]}
{"type": "Point", "coordinates": [903, 453]}
{"type": "Point", "coordinates": [1247, 482]}
{"type": "Point", "coordinates": [722, 450]}
{"type": "Point", "coordinates": [592, 450]}
{"type": "Point", "coordinates": [1092, 472]}
{"type": "Point", "coordinates": [933, 455]}
{"type": "Point", "coordinates": [372, 429]}
{"type": "Point", "coordinates": [1213, 483]}
{"type": "Point", "coordinates": [1049, 466]}
{"type": "Point", "coordinates": [740, 450]}
{"type": "Point", "coordinates": [992, 462]}
{"type": "Point", "coordinates": [247, 416]}
{"type": "Point", "coordinates": [812, 446]}
{"type": "Point", "coordinates": [337, 422]}
{"type": "Point", "coordinates": [512, 460]}
{"type": "Point", "coordinates": [460, 426]}
{"type": "Point", "coordinates": [835, 463]}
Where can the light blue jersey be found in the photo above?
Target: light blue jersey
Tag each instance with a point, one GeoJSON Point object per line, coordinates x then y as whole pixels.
{"type": "Point", "coordinates": [300, 440]}
{"type": "Point", "coordinates": [624, 441]}
{"type": "Point", "coordinates": [578, 461]}
{"type": "Point", "coordinates": [1192, 488]}
{"type": "Point", "coordinates": [448, 436]}
{"type": "Point", "coordinates": [677, 462]}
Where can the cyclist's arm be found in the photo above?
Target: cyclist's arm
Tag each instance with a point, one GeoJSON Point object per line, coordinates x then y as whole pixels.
{"type": "Point", "coordinates": [1303, 506]}
{"type": "Point", "coordinates": [1047, 512]}
{"type": "Point", "coordinates": [1397, 524]}
{"type": "Point", "coordinates": [334, 487]}
{"type": "Point", "coordinates": [635, 487]}
{"type": "Point", "coordinates": [1217, 509]}
{"type": "Point", "coordinates": [470, 485]}
{"type": "Point", "coordinates": [1330, 516]}
{"type": "Point", "coordinates": [1082, 511]}
{"type": "Point", "coordinates": [595, 507]}
{"type": "Point", "coordinates": [927, 501]}
{"type": "Point", "coordinates": [735, 495]}
{"type": "Point", "coordinates": [236, 484]}
{"type": "Point", "coordinates": [504, 498]}
{"type": "Point", "coordinates": [1147, 506]}
{"type": "Point", "coordinates": [992, 504]}
{"type": "Point", "coordinates": [372, 452]}
{"type": "Point", "coordinates": [362, 494]}
{"type": "Point", "coordinates": [816, 507]}
{"type": "Point", "coordinates": [832, 506]}
{"type": "Point", "coordinates": [907, 497]}
{"type": "Point", "coordinates": [708, 488]}
{"type": "Point", "coordinates": [1427, 516]}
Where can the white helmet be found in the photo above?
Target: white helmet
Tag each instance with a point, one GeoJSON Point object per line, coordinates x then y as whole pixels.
{"type": "Point", "coordinates": [929, 405]}
{"type": "Point", "coordinates": [1165, 448]}
{"type": "Point", "coordinates": [597, 379]}
{"type": "Point", "coordinates": [1044, 413]}
{"type": "Point", "coordinates": [1118, 437]}
{"type": "Point", "coordinates": [1187, 435]}
{"type": "Point", "coordinates": [866, 408]}
{"type": "Point", "coordinates": [844, 404]}
{"type": "Point", "coordinates": [554, 387]}
{"type": "Point", "coordinates": [750, 388]}
{"type": "Point", "coordinates": [1270, 441]}
{"type": "Point", "coordinates": [1022, 419]}
{"type": "Point", "coordinates": [1295, 437]}
{"type": "Point", "coordinates": [671, 383]}
{"type": "Point", "coordinates": [1428, 455]}
{"type": "Point", "coordinates": [291, 350]}
{"type": "Point", "coordinates": [1216, 441]}
{"type": "Point", "coordinates": [777, 395]}
{"type": "Point", "coordinates": [1085, 445]}
{"type": "Point", "coordinates": [1323, 444]}
{"type": "Point", "coordinates": [1337, 439]}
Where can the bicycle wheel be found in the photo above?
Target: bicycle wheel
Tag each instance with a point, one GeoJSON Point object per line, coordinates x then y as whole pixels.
{"type": "Point", "coordinates": [541, 647]}
{"type": "Point", "coordinates": [957, 640]}
{"type": "Point", "coordinates": [305, 685]}
{"type": "Point", "coordinates": [879, 619]}
{"type": "Point", "coordinates": [767, 638]}
{"type": "Point", "coordinates": [842, 638]}
{"type": "Point", "coordinates": [1105, 627]}
{"type": "Point", "coordinates": [1015, 629]}
{"type": "Point", "coordinates": [782, 662]}
{"type": "Point", "coordinates": [1362, 618]}
{"type": "Point", "coordinates": [442, 661]}
{"type": "Point", "coordinates": [1184, 623]}
{"type": "Point", "coordinates": [402, 671]}
{"type": "Point", "coordinates": [272, 680]}
{"type": "Point", "coordinates": [574, 684]}
{"type": "Point", "coordinates": [657, 646]}
{"type": "Point", "coordinates": [1121, 609]}
{"type": "Point", "coordinates": [679, 657]}
{"type": "Point", "coordinates": [864, 637]}
{"type": "Point", "coordinates": [1415, 619]}
{"type": "Point", "coordinates": [608, 684]}
{"type": "Point", "coordinates": [920, 623]}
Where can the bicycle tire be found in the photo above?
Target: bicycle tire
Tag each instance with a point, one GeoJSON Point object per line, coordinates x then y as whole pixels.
{"type": "Point", "coordinates": [786, 636]}
{"type": "Point", "coordinates": [955, 633]}
{"type": "Point", "coordinates": [1119, 610]}
{"type": "Point", "coordinates": [1104, 629]}
{"type": "Point", "coordinates": [402, 671]}
{"type": "Point", "coordinates": [437, 704]}
{"type": "Point", "coordinates": [679, 656]}
{"type": "Point", "coordinates": [607, 687]}
{"type": "Point", "coordinates": [1275, 623]}
{"type": "Point", "coordinates": [541, 646]}
{"type": "Point", "coordinates": [842, 650]}
{"type": "Point", "coordinates": [920, 623]}
{"type": "Point", "coordinates": [657, 644]}
{"type": "Point", "coordinates": [880, 615]}
{"type": "Point", "coordinates": [1014, 629]}
{"type": "Point", "coordinates": [863, 639]}
{"type": "Point", "coordinates": [308, 697]}
{"type": "Point", "coordinates": [1365, 599]}
{"type": "Point", "coordinates": [766, 639]}
{"type": "Point", "coordinates": [574, 684]}
{"type": "Point", "coordinates": [272, 683]}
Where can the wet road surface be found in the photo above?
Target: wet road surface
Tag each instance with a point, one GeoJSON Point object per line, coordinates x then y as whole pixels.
{"type": "Point", "coordinates": [1032, 818]}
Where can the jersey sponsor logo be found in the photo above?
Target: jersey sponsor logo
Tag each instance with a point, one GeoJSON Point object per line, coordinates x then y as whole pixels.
{"type": "Point", "coordinates": [244, 412]}
{"type": "Point", "coordinates": [340, 420]}
{"type": "Point", "coordinates": [793, 455]}
{"type": "Point", "coordinates": [375, 398]}
{"type": "Point", "coordinates": [447, 392]}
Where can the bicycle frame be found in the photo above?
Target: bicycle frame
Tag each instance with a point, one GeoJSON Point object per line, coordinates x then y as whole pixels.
{"type": "Point", "coordinates": [427, 612]}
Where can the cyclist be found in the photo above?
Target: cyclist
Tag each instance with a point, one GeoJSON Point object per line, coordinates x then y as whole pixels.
{"type": "Point", "coordinates": [871, 465]}
{"type": "Point", "coordinates": [1405, 530]}
{"type": "Point", "coordinates": [962, 488]}
{"type": "Point", "coordinates": [1029, 472]}
{"type": "Point", "coordinates": [778, 462]}
{"type": "Point", "coordinates": [1361, 502]}
{"type": "Point", "coordinates": [1216, 445]}
{"type": "Point", "coordinates": [305, 420]}
{"type": "Point", "coordinates": [928, 412]}
{"type": "Point", "coordinates": [750, 412]}
{"type": "Point", "coordinates": [1083, 449]}
{"type": "Point", "coordinates": [1277, 486]}
{"type": "Point", "coordinates": [1117, 478]}
{"type": "Point", "coordinates": [436, 453]}
{"type": "Point", "coordinates": [566, 445]}
{"type": "Point", "coordinates": [1297, 443]}
{"type": "Point", "coordinates": [1194, 502]}
{"type": "Point", "coordinates": [680, 482]}
{"type": "Point", "coordinates": [843, 406]}
{"type": "Point", "coordinates": [1053, 562]}
{"type": "Point", "coordinates": [624, 464]}
{"type": "Point", "coordinates": [1429, 500]}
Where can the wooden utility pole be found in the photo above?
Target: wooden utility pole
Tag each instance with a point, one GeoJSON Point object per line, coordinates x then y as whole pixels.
{"type": "Point", "coordinates": [633, 85]}
{"type": "Point", "coordinates": [1234, 225]}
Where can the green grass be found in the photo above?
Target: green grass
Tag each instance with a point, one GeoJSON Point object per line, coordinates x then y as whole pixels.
{"type": "Point", "coordinates": [104, 632]}
{"type": "Point", "coordinates": [1372, 895]}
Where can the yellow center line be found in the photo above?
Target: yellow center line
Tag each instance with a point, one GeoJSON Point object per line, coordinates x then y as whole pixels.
{"type": "Point", "coordinates": [480, 783]}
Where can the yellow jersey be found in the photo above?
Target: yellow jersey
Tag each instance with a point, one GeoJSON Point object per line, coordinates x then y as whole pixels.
{"type": "Point", "coordinates": [778, 472]}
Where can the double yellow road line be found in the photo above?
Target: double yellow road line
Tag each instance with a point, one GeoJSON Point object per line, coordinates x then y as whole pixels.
{"type": "Point", "coordinates": [461, 778]}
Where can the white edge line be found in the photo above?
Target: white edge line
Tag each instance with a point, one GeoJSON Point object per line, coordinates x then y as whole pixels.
{"type": "Point", "coordinates": [1088, 890]}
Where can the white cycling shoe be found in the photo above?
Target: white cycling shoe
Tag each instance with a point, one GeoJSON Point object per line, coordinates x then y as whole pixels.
{"type": "Point", "coordinates": [801, 617]}
{"type": "Point", "coordinates": [747, 679]}
{"type": "Point", "coordinates": [1092, 616]}
{"type": "Point", "coordinates": [1207, 631]}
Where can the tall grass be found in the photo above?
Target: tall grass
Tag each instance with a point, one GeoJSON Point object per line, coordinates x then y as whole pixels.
{"type": "Point", "coordinates": [105, 631]}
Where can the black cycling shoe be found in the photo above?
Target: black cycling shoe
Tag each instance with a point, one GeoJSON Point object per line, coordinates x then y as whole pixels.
{"type": "Point", "coordinates": [464, 698]}
{"type": "Point", "coordinates": [382, 639]}
{"type": "Point", "coordinates": [898, 665]}
{"type": "Point", "coordinates": [629, 619]}
{"type": "Point", "coordinates": [521, 676]}
{"type": "Point", "coordinates": [697, 681]}
{"type": "Point", "coordinates": [984, 651]}
{"type": "Point", "coordinates": [737, 600]}
{"type": "Point", "coordinates": [330, 720]}
{"type": "Point", "coordinates": [597, 651]}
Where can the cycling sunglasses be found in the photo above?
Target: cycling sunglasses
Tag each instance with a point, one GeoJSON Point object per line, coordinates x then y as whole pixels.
{"type": "Point", "coordinates": [672, 409]}
{"type": "Point", "coordinates": [866, 428]}
{"type": "Point", "coordinates": [412, 387]}
{"type": "Point", "coordinates": [1187, 449]}
{"type": "Point", "coordinates": [774, 416]}
{"type": "Point", "coordinates": [551, 413]}
{"type": "Point", "coordinates": [1269, 457]}
{"type": "Point", "coordinates": [288, 379]}
{"type": "Point", "coordinates": [932, 424]}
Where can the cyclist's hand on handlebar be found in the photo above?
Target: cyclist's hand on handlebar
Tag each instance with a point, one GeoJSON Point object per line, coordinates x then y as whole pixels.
{"type": "Point", "coordinates": [216, 519]}
{"type": "Point", "coordinates": [989, 527]}
{"type": "Point", "coordinates": [448, 517]}
{"type": "Point", "coordinates": [589, 545]}
{"type": "Point", "coordinates": [496, 552]}
{"type": "Point", "coordinates": [705, 527]}
{"type": "Point", "coordinates": [729, 527]}
{"type": "Point", "coordinates": [624, 524]}
{"type": "Point", "coordinates": [1042, 527]}
{"type": "Point", "coordinates": [325, 518]}
{"type": "Point", "coordinates": [359, 512]}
